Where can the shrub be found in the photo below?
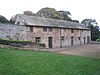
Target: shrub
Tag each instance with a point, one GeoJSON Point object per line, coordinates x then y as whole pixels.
{"type": "Point", "coordinates": [97, 40]}
{"type": "Point", "coordinates": [18, 43]}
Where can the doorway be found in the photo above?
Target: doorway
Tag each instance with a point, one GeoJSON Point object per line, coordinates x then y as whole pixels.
{"type": "Point", "coordinates": [72, 40]}
{"type": "Point", "coordinates": [50, 42]}
{"type": "Point", "coordinates": [84, 40]}
{"type": "Point", "coordinates": [88, 39]}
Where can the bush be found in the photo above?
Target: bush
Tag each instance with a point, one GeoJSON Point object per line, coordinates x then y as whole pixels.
{"type": "Point", "coordinates": [17, 43]}
{"type": "Point", "coordinates": [97, 40]}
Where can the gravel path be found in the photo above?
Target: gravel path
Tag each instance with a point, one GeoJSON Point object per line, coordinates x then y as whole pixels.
{"type": "Point", "coordinates": [88, 50]}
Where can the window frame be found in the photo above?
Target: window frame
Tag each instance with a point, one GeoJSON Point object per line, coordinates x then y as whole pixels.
{"type": "Point", "coordinates": [62, 38]}
{"type": "Point", "coordinates": [37, 39]}
{"type": "Point", "coordinates": [79, 38]}
{"type": "Point", "coordinates": [45, 29]}
{"type": "Point", "coordinates": [72, 30]}
{"type": "Point", "coordinates": [50, 29]}
{"type": "Point", "coordinates": [31, 28]}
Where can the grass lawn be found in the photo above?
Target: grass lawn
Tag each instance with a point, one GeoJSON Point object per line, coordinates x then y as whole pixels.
{"type": "Point", "coordinates": [16, 62]}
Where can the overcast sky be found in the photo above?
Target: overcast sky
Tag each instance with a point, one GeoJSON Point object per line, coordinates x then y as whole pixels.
{"type": "Point", "coordinates": [80, 9]}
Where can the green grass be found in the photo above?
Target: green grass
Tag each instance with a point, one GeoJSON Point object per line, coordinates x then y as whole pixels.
{"type": "Point", "coordinates": [16, 62]}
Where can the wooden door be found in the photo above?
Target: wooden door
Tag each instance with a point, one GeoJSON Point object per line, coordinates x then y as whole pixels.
{"type": "Point", "coordinates": [88, 39]}
{"type": "Point", "coordinates": [72, 41]}
{"type": "Point", "coordinates": [50, 42]}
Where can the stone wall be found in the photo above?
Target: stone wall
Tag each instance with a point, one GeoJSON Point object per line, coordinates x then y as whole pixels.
{"type": "Point", "coordinates": [22, 32]}
{"type": "Point", "coordinates": [56, 35]}
{"type": "Point", "coordinates": [38, 32]}
{"type": "Point", "coordinates": [13, 32]}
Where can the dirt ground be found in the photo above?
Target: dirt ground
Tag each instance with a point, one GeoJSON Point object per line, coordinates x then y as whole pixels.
{"type": "Point", "coordinates": [87, 50]}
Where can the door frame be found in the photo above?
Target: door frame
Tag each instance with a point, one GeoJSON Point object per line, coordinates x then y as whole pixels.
{"type": "Point", "coordinates": [84, 40]}
{"type": "Point", "coordinates": [50, 42]}
{"type": "Point", "coordinates": [72, 40]}
{"type": "Point", "coordinates": [88, 39]}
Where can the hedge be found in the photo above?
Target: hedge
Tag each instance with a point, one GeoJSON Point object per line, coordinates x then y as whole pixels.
{"type": "Point", "coordinates": [18, 43]}
{"type": "Point", "coordinates": [97, 40]}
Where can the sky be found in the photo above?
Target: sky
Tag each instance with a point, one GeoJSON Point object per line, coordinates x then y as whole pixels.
{"type": "Point", "coordinates": [80, 9]}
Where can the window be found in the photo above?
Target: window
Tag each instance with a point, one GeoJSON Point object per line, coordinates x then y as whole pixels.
{"type": "Point", "coordinates": [62, 38]}
{"type": "Point", "coordinates": [31, 29]}
{"type": "Point", "coordinates": [50, 29]}
{"type": "Point", "coordinates": [37, 39]}
{"type": "Point", "coordinates": [72, 30]}
{"type": "Point", "coordinates": [18, 22]}
{"type": "Point", "coordinates": [79, 38]}
{"type": "Point", "coordinates": [45, 29]}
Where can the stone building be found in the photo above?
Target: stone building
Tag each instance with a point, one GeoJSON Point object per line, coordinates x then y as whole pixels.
{"type": "Point", "coordinates": [51, 32]}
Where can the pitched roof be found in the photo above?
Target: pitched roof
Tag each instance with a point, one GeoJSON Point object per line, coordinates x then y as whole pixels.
{"type": "Point", "coordinates": [40, 21]}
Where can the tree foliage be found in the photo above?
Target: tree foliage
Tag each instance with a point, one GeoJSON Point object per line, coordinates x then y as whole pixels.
{"type": "Point", "coordinates": [66, 15]}
{"type": "Point", "coordinates": [3, 19]}
{"type": "Point", "coordinates": [89, 22]}
{"type": "Point", "coordinates": [92, 24]}
{"type": "Point", "coordinates": [75, 21]}
{"type": "Point", "coordinates": [29, 13]}
{"type": "Point", "coordinates": [54, 14]}
{"type": "Point", "coordinates": [49, 13]}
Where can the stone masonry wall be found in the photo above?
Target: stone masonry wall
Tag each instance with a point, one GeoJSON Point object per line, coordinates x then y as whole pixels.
{"type": "Point", "coordinates": [18, 32]}
{"type": "Point", "coordinates": [13, 32]}
{"type": "Point", "coordinates": [38, 32]}
{"type": "Point", "coordinates": [56, 37]}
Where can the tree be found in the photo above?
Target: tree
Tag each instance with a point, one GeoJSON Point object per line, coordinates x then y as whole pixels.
{"type": "Point", "coordinates": [3, 19]}
{"type": "Point", "coordinates": [29, 13]}
{"type": "Point", "coordinates": [12, 19]}
{"type": "Point", "coordinates": [49, 13]}
{"type": "Point", "coordinates": [66, 15]}
{"type": "Point", "coordinates": [89, 22]}
{"type": "Point", "coordinates": [75, 21]}
{"type": "Point", "coordinates": [92, 24]}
